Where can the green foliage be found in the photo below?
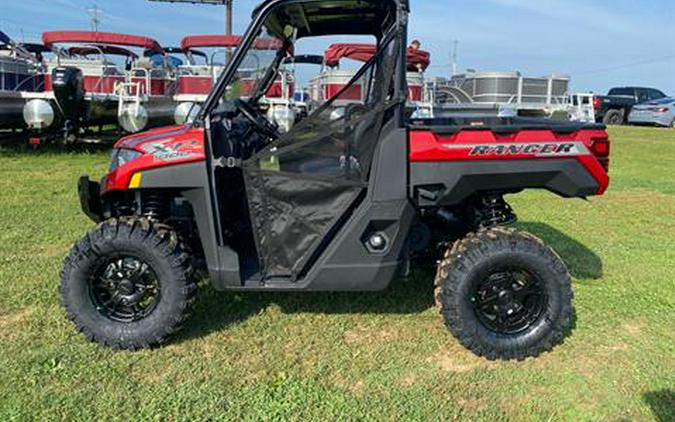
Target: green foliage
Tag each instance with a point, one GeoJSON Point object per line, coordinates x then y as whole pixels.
{"type": "Point", "coordinates": [381, 356]}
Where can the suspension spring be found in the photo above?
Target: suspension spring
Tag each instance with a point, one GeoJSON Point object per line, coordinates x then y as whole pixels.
{"type": "Point", "coordinates": [153, 206]}
{"type": "Point", "coordinates": [492, 210]}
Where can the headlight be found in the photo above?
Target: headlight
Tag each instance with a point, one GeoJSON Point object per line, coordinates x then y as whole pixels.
{"type": "Point", "coordinates": [121, 156]}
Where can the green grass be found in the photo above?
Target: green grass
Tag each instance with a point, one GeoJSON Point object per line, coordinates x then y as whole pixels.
{"type": "Point", "coordinates": [383, 356]}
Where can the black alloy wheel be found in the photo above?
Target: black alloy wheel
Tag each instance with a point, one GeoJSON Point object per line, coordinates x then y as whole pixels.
{"type": "Point", "coordinates": [128, 284]}
{"type": "Point", "coordinates": [509, 301]}
{"type": "Point", "coordinates": [125, 289]}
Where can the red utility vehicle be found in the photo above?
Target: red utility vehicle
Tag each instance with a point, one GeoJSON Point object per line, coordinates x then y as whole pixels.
{"type": "Point", "coordinates": [345, 201]}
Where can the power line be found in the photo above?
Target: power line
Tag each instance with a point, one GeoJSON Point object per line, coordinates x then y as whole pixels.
{"type": "Point", "coordinates": [95, 20]}
{"type": "Point", "coordinates": [454, 57]}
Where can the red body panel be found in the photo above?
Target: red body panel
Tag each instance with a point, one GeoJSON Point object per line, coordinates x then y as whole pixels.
{"type": "Point", "coordinates": [161, 147]}
{"type": "Point", "coordinates": [183, 144]}
{"type": "Point", "coordinates": [427, 146]}
{"type": "Point", "coordinates": [200, 85]}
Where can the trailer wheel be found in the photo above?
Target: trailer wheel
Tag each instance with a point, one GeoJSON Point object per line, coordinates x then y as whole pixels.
{"type": "Point", "coordinates": [504, 294]}
{"type": "Point", "coordinates": [128, 284]}
{"type": "Point", "coordinates": [614, 118]}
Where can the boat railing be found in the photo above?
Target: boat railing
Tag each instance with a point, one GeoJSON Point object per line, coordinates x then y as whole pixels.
{"type": "Point", "coordinates": [544, 100]}
{"type": "Point", "coordinates": [132, 91]}
{"type": "Point", "coordinates": [34, 83]}
{"type": "Point", "coordinates": [142, 88]}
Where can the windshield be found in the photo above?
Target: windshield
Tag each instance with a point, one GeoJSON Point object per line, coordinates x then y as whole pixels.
{"type": "Point", "coordinates": [258, 65]}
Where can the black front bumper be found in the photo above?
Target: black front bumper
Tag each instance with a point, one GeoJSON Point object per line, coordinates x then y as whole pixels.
{"type": "Point", "coordinates": [90, 198]}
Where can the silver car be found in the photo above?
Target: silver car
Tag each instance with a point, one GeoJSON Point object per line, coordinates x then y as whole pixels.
{"type": "Point", "coordinates": [658, 112]}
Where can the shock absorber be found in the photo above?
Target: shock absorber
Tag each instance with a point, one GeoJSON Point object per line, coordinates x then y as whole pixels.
{"type": "Point", "coordinates": [153, 206]}
{"type": "Point", "coordinates": [492, 210]}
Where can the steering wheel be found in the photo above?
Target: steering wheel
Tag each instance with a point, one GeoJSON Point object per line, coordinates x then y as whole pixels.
{"type": "Point", "coordinates": [356, 109]}
{"type": "Point", "coordinates": [260, 122]}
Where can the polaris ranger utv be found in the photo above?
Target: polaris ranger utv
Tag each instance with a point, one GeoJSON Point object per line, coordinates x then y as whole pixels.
{"type": "Point", "coordinates": [351, 197]}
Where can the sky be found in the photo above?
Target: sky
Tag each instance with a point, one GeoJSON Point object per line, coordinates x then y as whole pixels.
{"type": "Point", "coordinates": [599, 43]}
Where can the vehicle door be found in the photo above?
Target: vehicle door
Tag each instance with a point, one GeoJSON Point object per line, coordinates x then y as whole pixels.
{"type": "Point", "coordinates": [302, 187]}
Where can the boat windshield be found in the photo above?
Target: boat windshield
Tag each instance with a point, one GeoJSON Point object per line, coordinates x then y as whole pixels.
{"type": "Point", "coordinates": [258, 68]}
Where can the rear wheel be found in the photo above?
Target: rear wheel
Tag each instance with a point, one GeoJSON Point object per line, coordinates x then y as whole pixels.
{"type": "Point", "coordinates": [128, 284]}
{"type": "Point", "coordinates": [614, 117]}
{"type": "Point", "coordinates": [504, 294]}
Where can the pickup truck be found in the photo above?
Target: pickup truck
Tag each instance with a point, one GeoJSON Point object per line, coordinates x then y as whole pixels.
{"type": "Point", "coordinates": [614, 108]}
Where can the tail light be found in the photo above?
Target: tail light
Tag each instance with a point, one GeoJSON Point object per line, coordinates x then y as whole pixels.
{"type": "Point", "coordinates": [597, 103]}
{"type": "Point", "coordinates": [661, 110]}
{"type": "Point", "coordinates": [600, 147]}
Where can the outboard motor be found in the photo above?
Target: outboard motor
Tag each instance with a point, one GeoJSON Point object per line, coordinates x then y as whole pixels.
{"type": "Point", "coordinates": [68, 85]}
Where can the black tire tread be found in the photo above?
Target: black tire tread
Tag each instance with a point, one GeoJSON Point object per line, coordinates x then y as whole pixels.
{"type": "Point", "coordinates": [455, 264]}
{"type": "Point", "coordinates": [154, 235]}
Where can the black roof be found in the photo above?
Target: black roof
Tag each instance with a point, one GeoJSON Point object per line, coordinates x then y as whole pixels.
{"type": "Point", "coordinates": [328, 17]}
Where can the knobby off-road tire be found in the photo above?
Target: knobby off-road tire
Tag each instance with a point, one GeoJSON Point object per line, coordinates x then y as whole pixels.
{"type": "Point", "coordinates": [128, 284]}
{"type": "Point", "coordinates": [472, 307]}
{"type": "Point", "coordinates": [614, 118]}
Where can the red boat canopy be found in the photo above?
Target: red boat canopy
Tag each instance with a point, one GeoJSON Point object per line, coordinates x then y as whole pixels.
{"type": "Point", "coordinates": [98, 49]}
{"type": "Point", "coordinates": [197, 41]}
{"type": "Point", "coordinates": [107, 38]}
{"type": "Point", "coordinates": [417, 59]}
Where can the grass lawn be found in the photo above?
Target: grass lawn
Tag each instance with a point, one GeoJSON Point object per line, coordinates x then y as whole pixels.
{"type": "Point", "coordinates": [382, 356]}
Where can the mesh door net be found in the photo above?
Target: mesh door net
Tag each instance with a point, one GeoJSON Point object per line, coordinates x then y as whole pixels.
{"type": "Point", "coordinates": [300, 187]}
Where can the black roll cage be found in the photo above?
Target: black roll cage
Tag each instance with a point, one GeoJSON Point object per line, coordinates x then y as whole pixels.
{"type": "Point", "coordinates": [260, 14]}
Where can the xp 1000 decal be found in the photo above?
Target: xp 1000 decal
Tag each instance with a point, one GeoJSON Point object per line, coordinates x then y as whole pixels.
{"type": "Point", "coordinates": [170, 150]}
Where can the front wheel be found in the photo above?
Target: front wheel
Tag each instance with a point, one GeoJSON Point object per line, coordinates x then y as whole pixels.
{"type": "Point", "coordinates": [504, 294]}
{"type": "Point", "coordinates": [128, 284]}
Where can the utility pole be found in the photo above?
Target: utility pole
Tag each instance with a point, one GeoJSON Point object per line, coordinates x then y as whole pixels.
{"type": "Point", "coordinates": [455, 46]}
{"type": "Point", "coordinates": [95, 20]}
{"type": "Point", "coordinates": [226, 3]}
{"type": "Point", "coordinates": [228, 17]}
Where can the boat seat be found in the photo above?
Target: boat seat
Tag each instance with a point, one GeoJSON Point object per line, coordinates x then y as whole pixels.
{"type": "Point", "coordinates": [144, 63]}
